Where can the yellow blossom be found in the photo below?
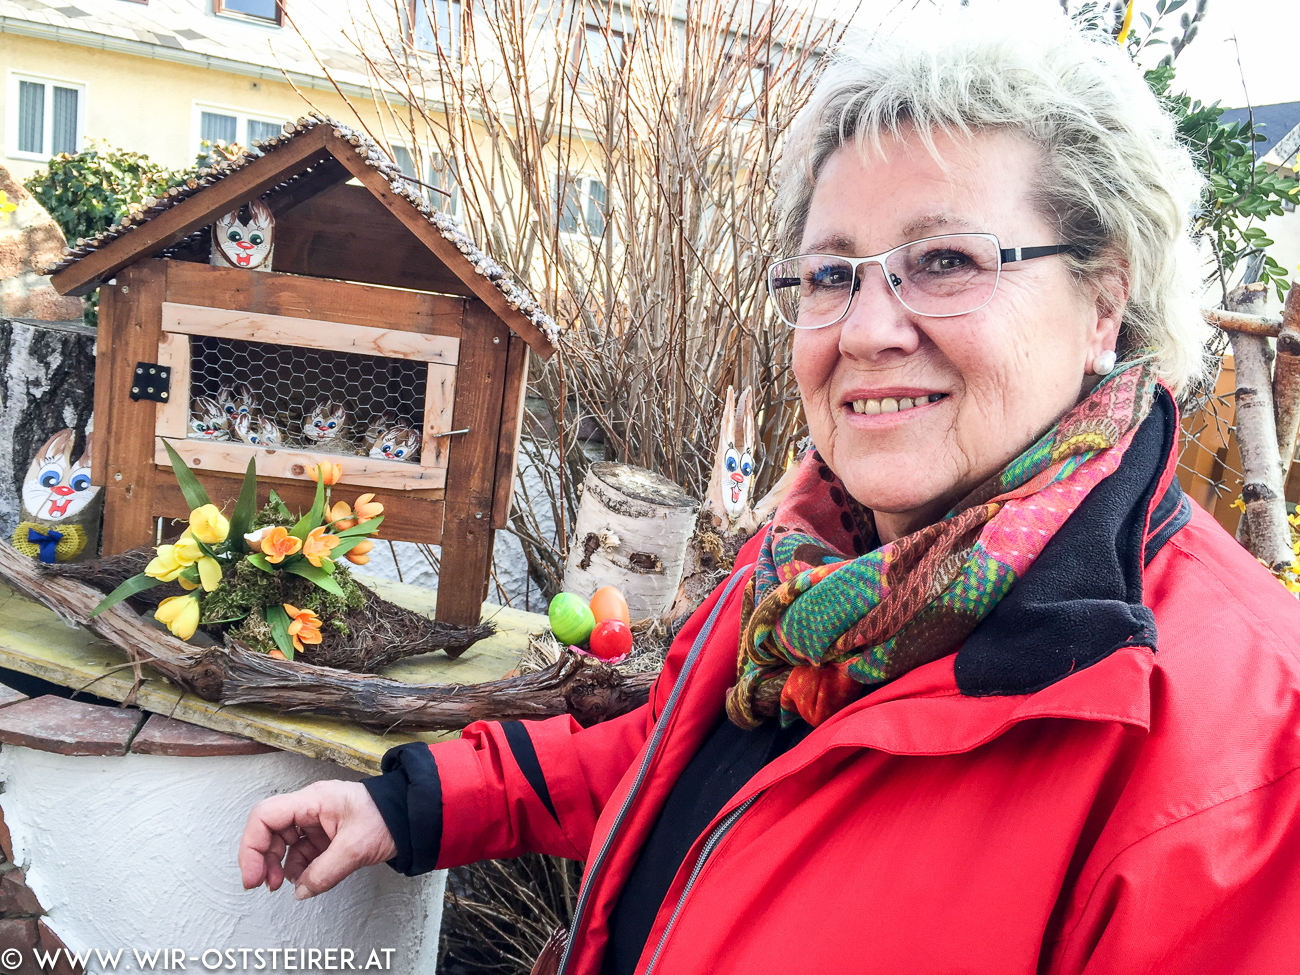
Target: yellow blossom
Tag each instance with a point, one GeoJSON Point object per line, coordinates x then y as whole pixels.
{"type": "Point", "coordinates": [180, 613]}
{"type": "Point", "coordinates": [209, 573]}
{"type": "Point", "coordinates": [187, 548]}
{"type": "Point", "coordinates": [278, 544]}
{"type": "Point", "coordinates": [318, 545]}
{"type": "Point", "coordinates": [209, 525]}
{"type": "Point", "coordinates": [165, 565]}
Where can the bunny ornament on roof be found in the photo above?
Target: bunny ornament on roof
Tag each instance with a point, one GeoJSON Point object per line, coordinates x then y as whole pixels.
{"type": "Point", "coordinates": [244, 237]}
{"type": "Point", "coordinates": [60, 508]}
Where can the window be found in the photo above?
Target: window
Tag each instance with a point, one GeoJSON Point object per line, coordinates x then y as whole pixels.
{"type": "Point", "coordinates": [442, 176]}
{"type": "Point", "coordinates": [264, 11]}
{"type": "Point", "coordinates": [46, 117]}
{"type": "Point", "coordinates": [751, 91]}
{"type": "Point", "coordinates": [213, 124]}
{"type": "Point", "coordinates": [583, 205]}
{"type": "Point", "coordinates": [435, 24]}
{"type": "Point", "coordinates": [602, 53]}
{"type": "Point", "coordinates": [402, 157]}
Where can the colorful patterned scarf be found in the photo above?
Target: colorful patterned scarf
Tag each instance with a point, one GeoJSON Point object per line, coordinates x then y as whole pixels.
{"type": "Point", "coordinates": [820, 627]}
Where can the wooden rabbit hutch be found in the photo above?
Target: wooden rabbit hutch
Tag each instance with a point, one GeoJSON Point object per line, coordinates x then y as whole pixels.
{"type": "Point", "coordinates": [375, 335]}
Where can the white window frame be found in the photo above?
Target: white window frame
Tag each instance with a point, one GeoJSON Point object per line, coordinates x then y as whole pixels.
{"type": "Point", "coordinates": [11, 114]}
{"type": "Point", "coordinates": [584, 76]}
{"type": "Point", "coordinates": [585, 231]}
{"type": "Point", "coordinates": [242, 118]}
{"type": "Point", "coordinates": [451, 46]}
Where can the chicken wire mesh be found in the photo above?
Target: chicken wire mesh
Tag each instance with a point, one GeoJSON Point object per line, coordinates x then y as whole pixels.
{"type": "Point", "coordinates": [329, 402]}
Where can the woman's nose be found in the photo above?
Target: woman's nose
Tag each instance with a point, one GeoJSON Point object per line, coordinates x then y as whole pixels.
{"type": "Point", "coordinates": [876, 321]}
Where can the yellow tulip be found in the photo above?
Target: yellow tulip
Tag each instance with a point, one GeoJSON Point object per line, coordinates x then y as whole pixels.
{"type": "Point", "coordinates": [187, 549]}
{"type": "Point", "coordinates": [209, 573]}
{"type": "Point", "coordinates": [180, 613]}
{"type": "Point", "coordinates": [165, 566]}
{"type": "Point", "coordinates": [318, 545]}
{"type": "Point", "coordinates": [209, 524]}
{"type": "Point", "coordinates": [186, 584]}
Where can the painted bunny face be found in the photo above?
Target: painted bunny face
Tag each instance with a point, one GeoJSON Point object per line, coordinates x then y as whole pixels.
{"type": "Point", "coordinates": [377, 427]}
{"type": "Point", "coordinates": [208, 421]}
{"type": "Point", "coordinates": [259, 431]}
{"type": "Point", "coordinates": [237, 400]}
{"type": "Point", "coordinates": [327, 421]}
{"type": "Point", "coordinates": [244, 237]}
{"type": "Point", "coordinates": [397, 443]}
{"type": "Point", "coordinates": [55, 488]}
{"type": "Point", "coordinates": [733, 464]}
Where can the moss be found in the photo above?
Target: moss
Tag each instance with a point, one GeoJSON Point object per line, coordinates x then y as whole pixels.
{"type": "Point", "coordinates": [246, 589]}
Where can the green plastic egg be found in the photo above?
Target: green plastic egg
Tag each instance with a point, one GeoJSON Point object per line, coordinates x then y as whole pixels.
{"type": "Point", "coordinates": [571, 620]}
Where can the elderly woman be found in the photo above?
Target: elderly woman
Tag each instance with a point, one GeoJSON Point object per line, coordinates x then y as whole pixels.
{"type": "Point", "coordinates": [990, 694]}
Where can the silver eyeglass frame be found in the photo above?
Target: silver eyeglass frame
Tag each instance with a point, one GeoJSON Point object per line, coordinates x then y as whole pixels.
{"type": "Point", "coordinates": [1006, 255]}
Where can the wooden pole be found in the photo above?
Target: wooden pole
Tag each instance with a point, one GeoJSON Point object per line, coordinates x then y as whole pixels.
{"type": "Point", "coordinates": [1264, 529]}
{"type": "Point", "coordinates": [1286, 381]}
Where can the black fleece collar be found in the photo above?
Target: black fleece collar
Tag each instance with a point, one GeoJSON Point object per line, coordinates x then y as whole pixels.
{"type": "Point", "coordinates": [1081, 600]}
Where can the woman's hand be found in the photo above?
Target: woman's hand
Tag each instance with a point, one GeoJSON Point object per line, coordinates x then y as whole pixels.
{"type": "Point", "coordinates": [315, 837]}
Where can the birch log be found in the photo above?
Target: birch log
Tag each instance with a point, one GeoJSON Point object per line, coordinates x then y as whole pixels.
{"type": "Point", "coordinates": [631, 531]}
{"type": "Point", "coordinates": [1286, 381]}
{"type": "Point", "coordinates": [1268, 536]}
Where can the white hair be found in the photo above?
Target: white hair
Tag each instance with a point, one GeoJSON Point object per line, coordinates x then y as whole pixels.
{"type": "Point", "coordinates": [1115, 178]}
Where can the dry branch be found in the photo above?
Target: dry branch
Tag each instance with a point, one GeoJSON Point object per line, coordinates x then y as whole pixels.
{"type": "Point", "coordinates": [1232, 321]}
{"type": "Point", "coordinates": [588, 690]}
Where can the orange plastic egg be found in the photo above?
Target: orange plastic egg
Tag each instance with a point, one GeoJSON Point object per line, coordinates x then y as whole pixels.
{"type": "Point", "coordinates": [607, 603]}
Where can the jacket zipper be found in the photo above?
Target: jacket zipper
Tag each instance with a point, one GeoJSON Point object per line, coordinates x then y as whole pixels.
{"type": "Point", "coordinates": [715, 837]}
{"type": "Point", "coordinates": [656, 737]}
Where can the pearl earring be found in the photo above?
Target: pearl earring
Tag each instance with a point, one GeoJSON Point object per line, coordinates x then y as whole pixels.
{"type": "Point", "coordinates": [1104, 364]}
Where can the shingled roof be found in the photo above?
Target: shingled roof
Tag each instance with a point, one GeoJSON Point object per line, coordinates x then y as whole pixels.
{"type": "Point", "coordinates": [293, 167]}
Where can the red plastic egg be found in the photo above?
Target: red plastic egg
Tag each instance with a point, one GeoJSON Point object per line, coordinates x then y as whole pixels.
{"type": "Point", "coordinates": [610, 640]}
{"type": "Point", "coordinates": [607, 603]}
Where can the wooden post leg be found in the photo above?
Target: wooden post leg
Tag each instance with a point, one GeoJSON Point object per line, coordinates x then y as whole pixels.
{"type": "Point", "coordinates": [471, 467]}
{"type": "Point", "coordinates": [131, 311]}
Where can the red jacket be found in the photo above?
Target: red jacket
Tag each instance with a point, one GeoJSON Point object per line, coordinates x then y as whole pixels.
{"type": "Point", "coordinates": [1138, 813]}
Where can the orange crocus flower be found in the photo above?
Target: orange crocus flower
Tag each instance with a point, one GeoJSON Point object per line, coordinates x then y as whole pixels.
{"type": "Point", "coordinates": [318, 545]}
{"type": "Point", "coordinates": [357, 554]}
{"type": "Point", "coordinates": [304, 625]}
{"type": "Point", "coordinates": [332, 473]}
{"type": "Point", "coordinates": [278, 543]}
{"type": "Point", "coordinates": [367, 507]}
{"type": "Point", "coordinates": [341, 516]}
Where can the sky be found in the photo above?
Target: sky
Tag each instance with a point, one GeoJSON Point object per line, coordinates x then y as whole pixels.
{"type": "Point", "coordinates": [1264, 31]}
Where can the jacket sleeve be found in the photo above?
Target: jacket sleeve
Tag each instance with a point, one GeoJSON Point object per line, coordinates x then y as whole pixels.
{"type": "Point", "coordinates": [507, 788]}
{"type": "Point", "coordinates": [1215, 891]}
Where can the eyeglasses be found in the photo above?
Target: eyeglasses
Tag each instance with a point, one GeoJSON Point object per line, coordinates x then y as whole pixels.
{"type": "Point", "coordinates": [938, 277]}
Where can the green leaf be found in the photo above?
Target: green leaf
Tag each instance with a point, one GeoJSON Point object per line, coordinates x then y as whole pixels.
{"type": "Point", "coordinates": [241, 519]}
{"type": "Point", "coordinates": [318, 576]}
{"type": "Point", "coordinates": [261, 561]}
{"type": "Point", "coordinates": [195, 495]}
{"type": "Point", "coordinates": [281, 509]}
{"type": "Point", "coordinates": [312, 518]}
{"type": "Point", "coordinates": [346, 546]}
{"type": "Point", "coordinates": [278, 620]}
{"type": "Point", "coordinates": [364, 528]}
{"type": "Point", "coordinates": [137, 583]}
